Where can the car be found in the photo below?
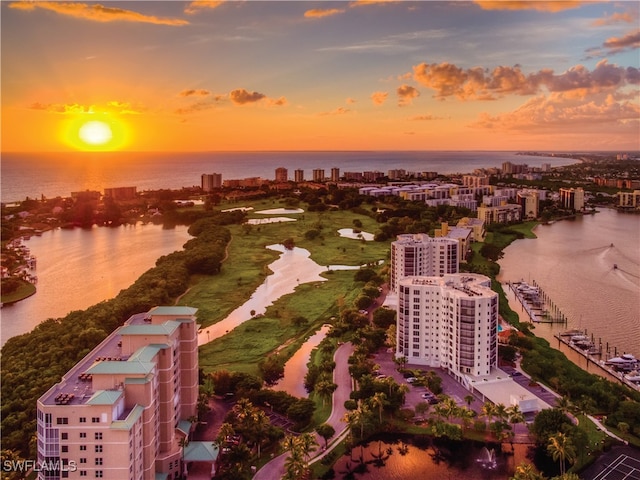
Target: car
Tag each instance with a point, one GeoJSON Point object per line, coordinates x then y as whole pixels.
{"type": "Point", "coordinates": [411, 379]}
{"type": "Point", "coordinates": [428, 395]}
{"type": "Point", "coordinates": [516, 373]}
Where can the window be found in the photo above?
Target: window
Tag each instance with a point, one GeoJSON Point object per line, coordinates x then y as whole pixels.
{"type": "Point", "coordinates": [83, 434]}
{"type": "Point", "coordinates": [99, 461]}
{"type": "Point", "coordinates": [83, 473]}
{"type": "Point", "coordinates": [83, 419]}
{"type": "Point", "coordinates": [98, 473]}
{"type": "Point", "coordinates": [98, 435]}
{"type": "Point", "coordinates": [95, 420]}
{"type": "Point", "coordinates": [98, 448]}
{"type": "Point", "coordinates": [64, 449]}
{"type": "Point", "coordinates": [62, 420]}
{"type": "Point", "coordinates": [64, 436]}
{"type": "Point", "coordinates": [83, 448]}
{"type": "Point", "coordinates": [83, 460]}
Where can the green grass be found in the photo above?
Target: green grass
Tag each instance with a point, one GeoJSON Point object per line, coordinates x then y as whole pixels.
{"type": "Point", "coordinates": [247, 264]}
{"type": "Point", "coordinates": [244, 347]}
{"type": "Point", "coordinates": [23, 291]}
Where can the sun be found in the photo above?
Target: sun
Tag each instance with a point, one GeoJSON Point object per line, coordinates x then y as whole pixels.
{"type": "Point", "coordinates": [103, 134]}
{"type": "Point", "coordinates": [95, 132]}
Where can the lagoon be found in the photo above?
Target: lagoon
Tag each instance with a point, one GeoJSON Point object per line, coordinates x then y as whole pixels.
{"type": "Point", "coordinates": [78, 268]}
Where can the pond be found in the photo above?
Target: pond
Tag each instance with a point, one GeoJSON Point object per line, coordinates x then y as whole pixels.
{"type": "Point", "coordinates": [418, 457]}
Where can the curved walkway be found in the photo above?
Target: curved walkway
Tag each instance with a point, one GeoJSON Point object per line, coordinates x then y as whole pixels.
{"type": "Point", "coordinates": [275, 468]}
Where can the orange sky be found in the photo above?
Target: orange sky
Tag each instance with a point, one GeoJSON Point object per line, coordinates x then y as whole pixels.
{"type": "Point", "coordinates": [180, 76]}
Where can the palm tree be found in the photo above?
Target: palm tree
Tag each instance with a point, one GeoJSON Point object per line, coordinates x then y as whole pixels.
{"type": "Point", "coordinates": [564, 404]}
{"type": "Point", "coordinates": [469, 400]}
{"type": "Point", "coordinates": [488, 410]}
{"type": "Point", "coordinates": [466, 415]}
{"type": "Point", "coordinates": [403, 389]}
{"type": "Point", "coordinates": [357, 417]}
{"type": "Point", "coordinates": [561, 448]}
{"type": "Point", "coordinates": [378, 401]}
{"type": "Point", "coordinates": [226, 431]}
{"type": "Point", "coordinates": [307, 445]}
{"type": "Point", "coordinates": [526, 471]}
{"type": "Point", "coordinates": [326, 431]}
{"type": "Point", "coordinates": [260, 425]}
{"type": "Point", "coordinates": [324, 389]}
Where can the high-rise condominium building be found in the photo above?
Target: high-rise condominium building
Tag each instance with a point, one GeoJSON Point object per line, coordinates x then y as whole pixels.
{"type": "Point", "coordinates": [335, 174]}
{"type": "Point", "coordinates": [421, 255]}
{"type": "Point", "coordinates": [318, 175]}
{"type": "Point", "coordinates": [299, 175]}
{"type": "Point", "coordinates": [211, 181]}
{"type": "Point", "coordinates": [448, 322]}
{"type": "Point", "coordinates": [572, 198]}
{"type": "Point", "coordinates": [282, 175]}
{"type": "Point", "coordinates": [122, 411]}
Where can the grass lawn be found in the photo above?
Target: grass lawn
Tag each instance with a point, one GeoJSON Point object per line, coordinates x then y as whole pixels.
{"type": "Point", "coordinates": [246, 345]}
{"type": "Point", "coordinates": [25, 290]}
{"type": "Point", "coordinates": [247, 264]}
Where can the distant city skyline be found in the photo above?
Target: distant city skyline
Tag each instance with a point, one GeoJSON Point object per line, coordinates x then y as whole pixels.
{"type": "Point", "coordinates": [303, 75]}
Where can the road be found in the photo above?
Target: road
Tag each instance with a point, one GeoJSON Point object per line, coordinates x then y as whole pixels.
{"type": "Point", "coordinates": [275, 468]}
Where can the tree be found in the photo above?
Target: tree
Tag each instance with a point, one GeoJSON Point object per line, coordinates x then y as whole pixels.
{"type": "Point", "coordinates": [326, 431]}
{"type": "Point", "coordinates": [378, 401]}
{"type": "Point", "coordinates": [324, 389]}
{"type": "Point", "coordinates": [561, 448]}
{"type": "Point", "coordinates": [526, 471]}
{"type": "Point", "coordinates": [271, 369]}
{"type": "Point", "coordinates": [547, 423]}
{"type": "Point", "coordinates": [488, 410]}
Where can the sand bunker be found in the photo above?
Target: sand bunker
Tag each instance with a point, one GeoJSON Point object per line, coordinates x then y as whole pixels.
{"type": "Point", "coordinates": [280, 211]}
{"type": "Point", "coordinates": [349, 233]}
{"type": "Point", "coordinates": [261, 221]}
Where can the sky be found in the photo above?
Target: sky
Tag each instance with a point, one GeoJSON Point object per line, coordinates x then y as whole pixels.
{"type": "Point", "coordinates": [305, 75]}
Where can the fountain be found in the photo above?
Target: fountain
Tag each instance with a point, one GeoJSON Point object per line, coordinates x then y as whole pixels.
{"type": "Point", "coordinates": [487, 458]}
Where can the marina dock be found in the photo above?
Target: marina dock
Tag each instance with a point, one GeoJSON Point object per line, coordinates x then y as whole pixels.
{"type": "Point", "coordinates": [589, 353]}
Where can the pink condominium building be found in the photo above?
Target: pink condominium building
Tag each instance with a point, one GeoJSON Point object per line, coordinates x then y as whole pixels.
{"type": "Point", "coordinates": [122, 411]}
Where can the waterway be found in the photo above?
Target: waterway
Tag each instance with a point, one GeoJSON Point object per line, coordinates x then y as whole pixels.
{"type": "Point", "coordinates": [77, 268]}
{"type": "Point", "coordinates": [291, 269]}
{"type": "Point", "coordinates": [574, 262]}
{"type": "Point", "coordinates": [296, 367]}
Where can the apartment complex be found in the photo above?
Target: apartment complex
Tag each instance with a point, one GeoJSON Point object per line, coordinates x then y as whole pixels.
{"type": "Point", "coordinates": [210, 181]}
{"type": "Point", "coordinates": [421, 255]}
{"type": "Point", "coordinates": [282, 174]}
{"type": "Point", "coordinates": [448, 322]}
{"type": "Point", "coordinates": [572, 198]}
{"type": "Point", "coordinates": [122, 412]}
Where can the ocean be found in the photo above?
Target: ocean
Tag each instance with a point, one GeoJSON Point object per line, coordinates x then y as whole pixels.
{"type": "Point", "coordinates": [59, 174]}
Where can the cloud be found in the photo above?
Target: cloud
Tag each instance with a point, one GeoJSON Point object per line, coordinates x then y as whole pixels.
{"type": "Point", "coordinates": [241, 96]}
{"type": "Point", "coordinates": [378, 98]}
{"type": "Point", "coordinates": [322, 12]}
{"type": "Point", "coordinates": [196, 93]}
{"type": "Point", "coordinates": [97, 13]}
{"type": "Point", "coordinates": [561, 113]}
{"type": "Point", "coordinates": [337, 111]}
{"type": "Point", "coordinates": [277, 102]}
{"type": "Point", "coordinates": [198, 5]}
{"type": "Point", "coordinates": [539, 5]}
{"type": "Point", "coordinates": [406, 94]}
{"type": "Point", "coordinates": [616, 18]}
{"type": "Point", "coordinates": [477, 83]}
{"type": "Point", "coordinates": [423, 118]}
{"type": "Point", "coordinates": [350, 101]}
{"type": "Point", "coordinates": [629, 41]}
{"type": "Point", "coordinates": [113, 107]}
